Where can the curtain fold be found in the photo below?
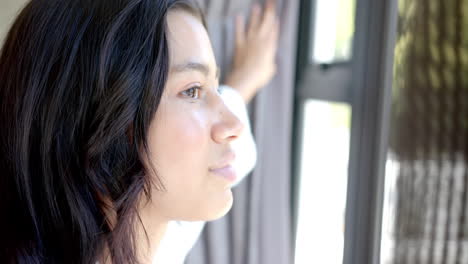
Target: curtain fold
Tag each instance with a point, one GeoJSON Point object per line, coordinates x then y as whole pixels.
{"type": "Point", "coordinates": [258, 228]}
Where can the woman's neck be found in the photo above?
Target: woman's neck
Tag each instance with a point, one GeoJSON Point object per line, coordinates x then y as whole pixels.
{"type": "Point", "coordinates": [148, 240]}
{"type": "Point", "coordinates": [149, 233]}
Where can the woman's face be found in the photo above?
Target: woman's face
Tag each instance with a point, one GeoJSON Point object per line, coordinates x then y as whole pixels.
{"type": "Point", "coordinates": [190, 135]}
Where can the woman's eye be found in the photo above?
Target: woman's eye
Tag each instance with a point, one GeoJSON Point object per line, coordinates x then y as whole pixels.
{"type": "Point", "coordinates": [193, 92]}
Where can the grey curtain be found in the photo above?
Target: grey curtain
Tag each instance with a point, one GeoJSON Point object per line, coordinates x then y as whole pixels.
{"type": "Point", "coordinates": [258, 228]}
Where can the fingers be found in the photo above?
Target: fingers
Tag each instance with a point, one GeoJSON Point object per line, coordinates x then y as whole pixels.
{"type": "Point", "coordinates": [263, 29]}
{"type": "Point", "coordinates": [265, 23]}
{"type": "Point", "coordinates": [269, 16]}
{"type": "Point", "coordinates": [255, 19]}
{"type": "Point", "coordinates": [270, 27]}
{"type": "Point", "coordinates": [240, 30]}
{"type": "Point", "coordinates": [275, 33]}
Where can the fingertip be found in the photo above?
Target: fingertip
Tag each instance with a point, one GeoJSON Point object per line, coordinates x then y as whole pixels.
{"type": "Point", "coordinates": [271, 5]}
{"type": "Point", "coordinates": [240, 29]}
{"type": "Point", "coordinates": [256, 8]}
{"type": "Point", "coordinates": [254, 17]}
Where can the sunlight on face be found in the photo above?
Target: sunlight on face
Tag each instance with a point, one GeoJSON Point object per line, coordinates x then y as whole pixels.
{"type": "Point", "coordinates": [192, 130]}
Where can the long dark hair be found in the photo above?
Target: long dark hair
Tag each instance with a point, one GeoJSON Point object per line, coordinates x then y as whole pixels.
{"type": "Point", "coordinates": [80, 81]}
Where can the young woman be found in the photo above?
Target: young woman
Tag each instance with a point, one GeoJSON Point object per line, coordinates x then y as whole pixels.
{"type": "Point", "coordinates": [252, 68]}
{"type": "Point", "coordinates": [112, 126]}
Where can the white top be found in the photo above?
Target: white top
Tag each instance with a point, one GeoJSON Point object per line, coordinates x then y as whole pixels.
{"type": "Point", "coordinates": [181, 236]}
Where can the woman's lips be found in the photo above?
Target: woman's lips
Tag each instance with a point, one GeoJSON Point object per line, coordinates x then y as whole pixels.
{"type": "Point", "coordinates": [226, 172]}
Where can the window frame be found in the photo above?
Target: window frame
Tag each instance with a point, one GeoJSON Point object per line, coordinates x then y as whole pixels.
{"type": "Point", "coordinates": [365, 82]}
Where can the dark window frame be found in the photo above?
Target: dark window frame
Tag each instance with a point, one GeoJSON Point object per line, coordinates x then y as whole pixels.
{"type": "Point", "coordinates": [365, 83]}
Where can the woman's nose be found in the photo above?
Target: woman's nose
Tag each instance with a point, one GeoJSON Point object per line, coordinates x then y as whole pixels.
{"type": "Point", "coordinates": [228, 128]}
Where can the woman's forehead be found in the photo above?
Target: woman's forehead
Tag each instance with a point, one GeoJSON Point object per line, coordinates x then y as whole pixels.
{"type": "Point", "coordinates": [188, 40]}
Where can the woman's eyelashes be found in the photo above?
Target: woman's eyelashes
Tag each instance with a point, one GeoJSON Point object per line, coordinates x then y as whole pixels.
{"type": "Point", "coordinates": [195, 92]}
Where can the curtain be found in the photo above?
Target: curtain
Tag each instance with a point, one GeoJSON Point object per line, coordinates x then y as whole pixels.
{"type": "Point", "coordinates": [429, 135]}
{"type": "Point", "coordinates": [258, 228]}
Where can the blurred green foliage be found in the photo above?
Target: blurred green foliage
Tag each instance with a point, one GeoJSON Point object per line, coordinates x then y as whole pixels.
{"type": "Point", "coordinates": [430, 82]}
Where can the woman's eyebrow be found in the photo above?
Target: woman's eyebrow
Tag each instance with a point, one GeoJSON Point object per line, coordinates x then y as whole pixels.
{"type": "Point", "coordinates": [194, 66]}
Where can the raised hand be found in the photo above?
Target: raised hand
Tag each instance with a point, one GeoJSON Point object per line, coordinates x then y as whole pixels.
{"type": "Point", "coordinates": [254, 63]}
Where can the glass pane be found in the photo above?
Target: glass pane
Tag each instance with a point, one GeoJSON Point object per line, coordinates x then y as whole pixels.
{"type": "Point", "coordinates": [334, 30]}
{"type": "Point", "coordinates": [323, 181]}
{"type": "Point", "coordinates": [426, 192]}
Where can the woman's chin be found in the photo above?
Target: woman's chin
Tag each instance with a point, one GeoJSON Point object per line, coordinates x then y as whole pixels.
{"type": "Point", "coordinates": [223, 210]}
{"type": "Point", "coordinates": [213, 211]}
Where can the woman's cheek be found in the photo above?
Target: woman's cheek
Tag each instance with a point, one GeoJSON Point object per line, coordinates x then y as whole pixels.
{"type": "Point", "coordinates": [187, 152]}
{"type": "Point", "coordinates": [191, 128]}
